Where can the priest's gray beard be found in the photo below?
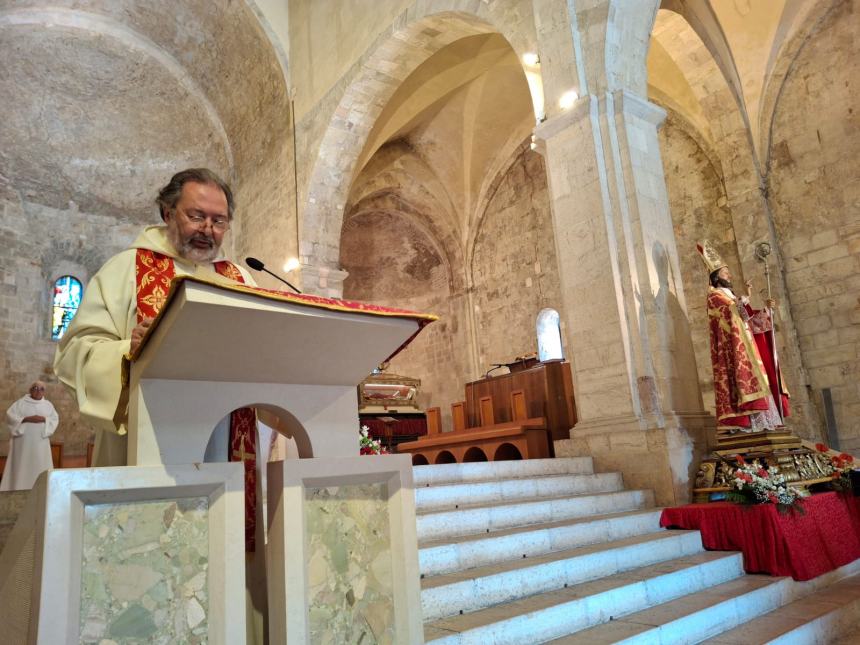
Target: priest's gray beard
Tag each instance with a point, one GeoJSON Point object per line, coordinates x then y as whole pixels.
{"type": "Point", "coordinates": [190, 252]}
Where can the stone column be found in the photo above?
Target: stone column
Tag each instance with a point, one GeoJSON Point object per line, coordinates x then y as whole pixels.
{"type": "Point", "coordinates": [635, 380]}
{"type": "Point", "coordinates": [319, 280]}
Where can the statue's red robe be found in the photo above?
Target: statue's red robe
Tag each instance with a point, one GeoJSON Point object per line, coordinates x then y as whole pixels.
{"type": "Point", "coordinates": [745, 373]}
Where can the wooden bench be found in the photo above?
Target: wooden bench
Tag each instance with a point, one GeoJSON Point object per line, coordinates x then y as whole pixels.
{"type": "Point", "coordinates": [521, 438]}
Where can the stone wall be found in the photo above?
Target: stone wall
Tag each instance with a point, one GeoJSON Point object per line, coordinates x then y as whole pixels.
{"type": "Point", "coordinates": [697, 200]}
{"type": "Point", "coordinates": [814, 192]}
{"type": "Point", "coordinates": [39, 244]}
{"type": "Point", "coordinates": [392, 261]}
{"type": "Point", "coordinates": [514, 267]}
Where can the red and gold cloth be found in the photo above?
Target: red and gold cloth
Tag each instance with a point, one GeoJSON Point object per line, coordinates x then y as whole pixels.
{"type": "Point", "coordinates": [762, 331]}
{"type": "Point", "coordinates": [308, 300]}
{"type": "Point", "coordinates": [154, 274]}
{"type": "Point", "coordinates": [741, 385]}
{"type": "Point", "coordinates": [243, 447]}
{"type": "Point", "coordinates": [824, 537]}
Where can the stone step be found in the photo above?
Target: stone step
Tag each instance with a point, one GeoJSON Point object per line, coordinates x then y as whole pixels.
{"type": "Point", "coordinates": [566, 610]}
{"type": "Point", "coordinates": [469, 521]}
{"type": "Point", "coordinates": [488, 548]}
{"type": "Point", "coordinates": [829, 615]}
{"type": "Point", "coordinates": [453, 496]}
{"type": "Point", "coordinates": [496, 584]}
{"type": "Point", "coordinates": [490, 470]}
{"type": "Point", "coordinates": [691, 618]}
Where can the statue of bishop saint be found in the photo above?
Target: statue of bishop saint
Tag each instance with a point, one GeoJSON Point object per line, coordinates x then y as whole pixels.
{"type": "Point", "coordinates": [748, 385]}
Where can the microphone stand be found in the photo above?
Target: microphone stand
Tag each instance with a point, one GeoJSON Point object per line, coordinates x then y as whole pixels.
{"type": "Point", "coordinates": [255, 264]}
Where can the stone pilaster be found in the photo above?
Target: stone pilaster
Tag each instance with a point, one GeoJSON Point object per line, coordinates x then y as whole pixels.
{"type": "Point", "coordinates": [635, 377]}
{"type": "Point", "coordinates": [319, 280]}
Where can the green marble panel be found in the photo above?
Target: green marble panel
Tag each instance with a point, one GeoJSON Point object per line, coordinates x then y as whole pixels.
{"type": "Point", "coordinates": [351, 590]}
{"type": "Point", "coordinates": [144, 574]}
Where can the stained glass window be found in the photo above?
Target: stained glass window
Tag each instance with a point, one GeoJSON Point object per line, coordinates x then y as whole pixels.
{"type": "Point", "coordinates": [67, 297]}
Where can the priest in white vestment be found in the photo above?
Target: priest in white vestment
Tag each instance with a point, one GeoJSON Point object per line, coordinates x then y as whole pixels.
{"type": "Point", "coordinates": [32, 420]}
{"type": "Point", "coordinates": [197, 208]}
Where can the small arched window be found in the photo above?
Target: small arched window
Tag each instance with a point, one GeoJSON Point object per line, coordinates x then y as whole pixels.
{"type": "Point", "coordinates": [65, 301]}
{"type": "Point", "coordinates": [549, 335]}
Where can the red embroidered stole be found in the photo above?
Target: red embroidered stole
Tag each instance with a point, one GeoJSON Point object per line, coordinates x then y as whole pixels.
{"type": "Point", "coordinates": [154, 272]}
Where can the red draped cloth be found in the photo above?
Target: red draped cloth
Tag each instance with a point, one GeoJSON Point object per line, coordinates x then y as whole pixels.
{"type": "Point", "coordinates": [407, 427]}
{"type": "Point", "coordinates": [153, 274]}
{"type": "Point", "coordinates": [825, 537]}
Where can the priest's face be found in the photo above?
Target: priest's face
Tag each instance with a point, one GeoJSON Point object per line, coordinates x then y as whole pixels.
{"type": "Point", "coordinates": [196, 226]}
{"type": "Point", "coordinates": [37, 390]}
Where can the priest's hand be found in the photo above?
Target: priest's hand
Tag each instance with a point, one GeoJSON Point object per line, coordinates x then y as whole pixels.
{"type": "Point", "coordinates": [770, 303]}
{"type": "Point", "coordinates": [33, 418]}
{"type": "Point", "coordinates": [138, 332]}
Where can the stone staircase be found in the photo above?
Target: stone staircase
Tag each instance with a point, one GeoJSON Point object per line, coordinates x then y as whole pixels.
{"type": "Point", "coordinates": [547, 551]}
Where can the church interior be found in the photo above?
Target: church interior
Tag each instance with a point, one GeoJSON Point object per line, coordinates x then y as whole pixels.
{"type": "Point", "coordinates": [486, 161]}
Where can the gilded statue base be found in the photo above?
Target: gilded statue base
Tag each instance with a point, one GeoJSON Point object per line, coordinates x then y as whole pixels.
{"type": "Point", "coordinates": [798, 460]}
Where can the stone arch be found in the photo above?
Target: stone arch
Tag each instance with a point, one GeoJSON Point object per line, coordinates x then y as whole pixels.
{"type": "Point", "coordinates": [523, 174]}
{"type": "Point", "coordinates": [679, 120]}
{"type": "Point", "coordinates": [418, 459]}
{"type": "Point", "coordinates": [413, 37]}
{"type": "Point", "coordinates": [785, 63]}
{"type": "Point", "coordinates": [277, 418]}
{"type": "Point", "coordinates": [109, 28]}
{"type": "Point", "coordinates": [702, 19]}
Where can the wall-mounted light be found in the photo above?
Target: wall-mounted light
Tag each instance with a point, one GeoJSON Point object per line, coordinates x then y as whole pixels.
{"type": "Point", "coordinates": [533, 144]}
{"type": "Point", "coordinates": [531, 59]}
{"type": "Point", "coordinates": [291, 265]}
{"type": "Point", "coordinates": [568, 99]}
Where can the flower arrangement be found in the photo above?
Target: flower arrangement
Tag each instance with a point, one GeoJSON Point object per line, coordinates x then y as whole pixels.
{"type": "Point", "coordinates": [840, 467]}
{"type": "Point", "coordinates": [368, 445]}
{"type": "Point", "coordinates": [755, 483]}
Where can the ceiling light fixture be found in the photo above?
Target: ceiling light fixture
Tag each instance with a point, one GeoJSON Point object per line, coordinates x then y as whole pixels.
{"type": "Point", "coordinates": [531, 59]}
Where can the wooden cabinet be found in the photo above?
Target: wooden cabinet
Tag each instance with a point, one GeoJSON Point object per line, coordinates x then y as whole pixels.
{"type": "Point", "coordinates": [548, 389]}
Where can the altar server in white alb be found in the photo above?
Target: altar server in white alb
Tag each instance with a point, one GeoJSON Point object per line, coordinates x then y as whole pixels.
{"type": "Point", "coordinates": [32, 420]}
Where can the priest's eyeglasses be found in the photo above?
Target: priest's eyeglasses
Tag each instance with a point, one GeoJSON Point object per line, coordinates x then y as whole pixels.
{"type": "Point", "coordinates": [219, 222]}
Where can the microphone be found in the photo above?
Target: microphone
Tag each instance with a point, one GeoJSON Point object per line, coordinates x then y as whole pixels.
{"type": "Point", "coordinates": [257, 265]}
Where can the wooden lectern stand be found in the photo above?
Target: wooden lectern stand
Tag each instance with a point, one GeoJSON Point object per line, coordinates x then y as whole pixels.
{"type": "Point", "coordinates": [215, 349]}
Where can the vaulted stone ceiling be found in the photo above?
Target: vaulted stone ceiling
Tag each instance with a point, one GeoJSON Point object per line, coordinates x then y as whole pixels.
{"type": "Point", "coordinates": [462, 112]}
{"type": "Point", "coordinates": [751, 42]}
{"type": "Point", "coordinates": [105, 99]}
